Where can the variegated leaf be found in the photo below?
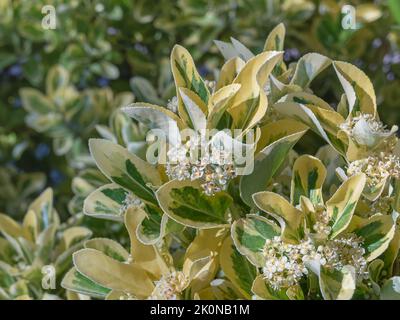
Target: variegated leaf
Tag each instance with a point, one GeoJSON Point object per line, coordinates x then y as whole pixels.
{"type": "Point", "coordinates": [125, 169]}
{"type": "Point", "coordinates": [34, 101]}
{"type": "Point", "coordinates": [146, 256]}
{"type": "Point", "coordinates": [308, 177]}
{"type": "Point", "coordinates": [113, 274]}
{"type": "Point", "coordinates": [308, 67]}
{"type": "Point", "coordinates": [337, 285]}
{"type": "Point", "coordinates": [301, 113]}
{"type": "Point", "coordinates": [219, 102]}
{"type": "Point", "coordinates": [276, 39]}
{"type": "Point", "coordinates": [185, 202]}
{"type": "Point", "coordinates": [186, 76]}
{"type": "Point", "coordinates": [195, 108]}
{"type": "Point", "coordinates": [206, 244]}
{"type": "Point", "coordinates": [227, 49]}
{"type": "Point", "coordinates": [267, 164]}
{"type": "Point", "coordinates": [229, 72]}
{"type": "Point", "coordinates": [156, 117]}
{"type": "Point", "coordinates": [10, 226]}
{"type": "Point", "coordinates": [276, 130]}
{"type": "Point", "coordinates": [107, 202]}
{"type": "Point", "coordinates": [77, 282]}
{"type": "Point", "coordinates": [43, 208]}
{"type": "Point", "coordinates": [262, 290]}
{"type": "Point", "coordinates": [242, 51]}
{"type": "Point", "coordinates": [358, 88]}
{"type": "Point", "coordinates": [249, 104]}
{"type": "Point", "coordinates": [109, 247]}
{"type": "Point", "coordinates": [74, 235]}
{"type": "Point", "coordinates": [340, 207]}
{"type": "Point", "coordinates": [390, 255]}
{"type": "Point", "coordinates": [290, 219]}
{"type": "Point", "coordinates": [153, 226]}
{"type": "Point", "coordinates": [250, 234]}
{"type": "Point", "coordinates": [237, 268]}
{"type": "Point", "coordinates": [376, 233]}
{"type": "Point", "coordinates": [57, 79]}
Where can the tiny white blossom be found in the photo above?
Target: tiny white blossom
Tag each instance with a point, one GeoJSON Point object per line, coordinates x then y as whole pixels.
{"type": "Point", "coordinates": [170, 286]}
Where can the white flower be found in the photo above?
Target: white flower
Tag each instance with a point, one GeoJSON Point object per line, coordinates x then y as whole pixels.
{"type": "Point", "coordinates": [215, 170]}
{"type": "Point", "coordinates": [285, 263]}
{"type": "Point", "coordinates": [321, 226]}
{"type": "Point", "coordinates": [170, 287]}
{"type": "Point", "coordinates": [346, 250]}
{"type": "Point", "coordinates": [365, 130]}
{"type": "Point", "coordinates": [172, 104]}
{"type": "Point", "coordinates": [130, 201]}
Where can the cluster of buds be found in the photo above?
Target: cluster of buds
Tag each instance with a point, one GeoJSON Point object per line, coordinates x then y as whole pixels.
{"type": "Point", "coordinates": [345, 250]}
{"type": "Point", "coordinates": [130, 201]}
{"type": "Point", "coordinates": [377, 168]}
{"type": "Point", "coordinates": [285, 263]}
{"type": "Point", "coordinates": [193, 160]}
{"type": "Point", "coordinates": [170, 286]}
{"type": "Point", "coordinates": [321, 225]}
{"type": "Point", "coordinates": [172, 104]}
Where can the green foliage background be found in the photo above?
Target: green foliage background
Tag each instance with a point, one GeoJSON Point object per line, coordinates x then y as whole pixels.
{"type": "Point", "coordinates": [111, 47]}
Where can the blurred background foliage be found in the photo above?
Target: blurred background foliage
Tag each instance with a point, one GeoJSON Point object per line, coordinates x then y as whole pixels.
{"type": "Point", "coordinates": [60, 87]}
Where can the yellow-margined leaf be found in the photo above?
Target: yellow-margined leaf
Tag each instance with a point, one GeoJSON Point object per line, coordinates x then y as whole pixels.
{"type": "Point", "coordinates": [359, 90]}
{"type": "Point", "coordinates": [185, 202]}
{"type": "Point", "coordinates": [125, 169]}
{"type": "Point", "coordinates": [290, 219]}
{"type": "Point", "coordinates": [186, 76]}
{"type": "Point", "coordinates": [340, 207]}
{"type": "Point", "coordinates": [229, 72]}
{"type": "Point", "coordinates": [308, 177]}
{"type": "Point", "coordinates": [308, 67]}
{"type": "Point", "coordinates": [250, 234]}
{"type": "Point", "coordinates": [112, 274]}
{"type": "Point", "coordinates": [237, 268]}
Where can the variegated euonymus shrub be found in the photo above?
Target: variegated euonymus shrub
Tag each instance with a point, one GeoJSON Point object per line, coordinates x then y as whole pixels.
{"type": "Point", "coordinates": [40, 246]}
{"type": "Point", "coordinates": [294, 227]}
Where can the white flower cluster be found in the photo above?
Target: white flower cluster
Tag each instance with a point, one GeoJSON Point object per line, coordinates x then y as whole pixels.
{"type": "Point", "coordinates": [346, 250]}
{"type": "Point", "coordinates": [373, 124]}
{"type": "Point", "coordinates": [172, 104]}
{"type": "Point", "coordinates": [285, 263]}
{"type": "Point", "coordinates": [194, 161]}
{"type": "Point", "coordinates": [170, 287]}
{"type": "Point", "coordinates": [377, 168]}
{"type": "Point", "coordinates": [321, 225]}
{"type": "Point", "coordinates": [366, 130]}
{"type": "Point", "coordinates": [130, 201]}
